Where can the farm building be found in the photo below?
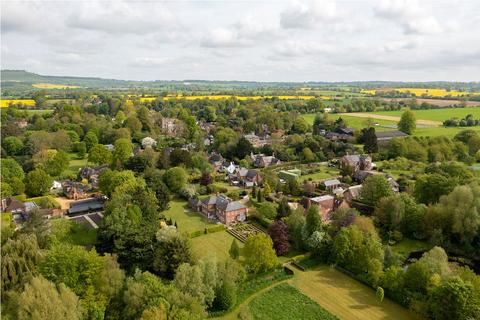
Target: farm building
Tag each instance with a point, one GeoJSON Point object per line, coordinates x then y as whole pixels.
{"type": "Point", "coordinates": [383, 136]}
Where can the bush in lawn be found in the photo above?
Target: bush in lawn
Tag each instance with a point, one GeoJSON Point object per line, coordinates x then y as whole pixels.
{"type": "Point", "coordinates": [234, 250]}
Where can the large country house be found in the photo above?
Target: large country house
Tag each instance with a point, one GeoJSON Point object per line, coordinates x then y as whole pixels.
{"type": "Point", "coordinates": [222, 208]}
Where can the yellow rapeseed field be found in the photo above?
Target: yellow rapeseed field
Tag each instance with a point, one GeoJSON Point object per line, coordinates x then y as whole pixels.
{"type": "Point", "coordinates": [4, 103]}
{"type": "Point", "coordinates": [424, 91]}
{"type": "Point", "coordinates": [53, 86]}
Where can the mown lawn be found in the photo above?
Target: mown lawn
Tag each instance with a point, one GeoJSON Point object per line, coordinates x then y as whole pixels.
{"type": "Point", "coordinates": [345, 297]}
{"type": "Point", "coordinates": [76, 163]}
{"type": "Point", "coordinates": [68, 231]}
{"type": "Point", "coordinates": [322, 173]}
{"type": "Point", "coordinates": [285, 302]}
{"type": "Point", "coordinates": [215, 244]}
{"type": "Point", "coordinates": [186, 219]}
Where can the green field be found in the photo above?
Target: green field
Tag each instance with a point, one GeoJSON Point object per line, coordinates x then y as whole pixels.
{"type": "Point", "coordinates": [187, 221]}
{"type": "Point", "coordinates": [215, 244]}
{"type": "Point", "coordinates": [432, 114]}
{"type": "Point", "coordinates": [284, 302]}
{"type": "Point", "coordinates": [32, 112]}
{"type": "Point", "coordinates": [345, 297]}
{"type": "Point", "coordinates": [436, 114]}
{"type": "Point", "coordinates": [355, 122]}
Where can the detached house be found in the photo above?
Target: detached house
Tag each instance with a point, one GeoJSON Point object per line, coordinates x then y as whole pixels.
{"type": "Point", "coordinates": [356, 162]}
{"type": "Point", "coordinates": [246, 178]}
{"type": "Point", "coordinates": [221, 208]}
{"type": "Point", "coordinates": [262, 161]}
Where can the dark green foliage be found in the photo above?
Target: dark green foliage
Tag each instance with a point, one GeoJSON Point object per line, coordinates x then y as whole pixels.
{"type": "Point", "coordinates": [234, 250]}
{"type": "Point", "coordinates": [370, 140]}
{"type": "Point", "coordinates": [171, 250]}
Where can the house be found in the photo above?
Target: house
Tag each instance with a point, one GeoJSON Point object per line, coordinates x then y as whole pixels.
{"type": "Point", "coordinates": [18, 209]}
{"type": "Point", "coordinates": [257, 141]}
{"type": "Point", "coordinates": [335, 136]}
{"type": "Point", "coordinates": [92, 174]}
{"type": "Point", "coordinates": [216, 160]}
{"type": "Point", "coordinates": [262, 161]}
{"type": "Point", "coordinates": [332, 184]}
{"type": "Point", "coordinates": [385, 136]}
{"type": "Point", "coordinates": [49, 213]}
{"type": "Point", "coordinates": [170, 126]}
{"type": "Point", "coordinates": [356, 162]}
{"type": "Point", "coordinates": [230, 169]}
{"type": "Point", "coordinates": [86, 206]}
{"type": "Point", "coordinates": [360, 176]}
{"type": "Point", "coordinates": [224, 209]}
{"type": "Point", "coordinates": [74, 192]}
{"type": "Point", "coordinates": [287, 175]}
{"type": "Point", "coordinates": [325, 203]}
{"type": "Point", "coordinates": [352, 193]}
{"type": "Point", "coordinates": [12, 205]}
{"type": "Point", "coordinates": [246, 178]}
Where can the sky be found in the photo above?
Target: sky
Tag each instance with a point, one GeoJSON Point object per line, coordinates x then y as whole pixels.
{"type": "Point", "coordinates": [299, 40]}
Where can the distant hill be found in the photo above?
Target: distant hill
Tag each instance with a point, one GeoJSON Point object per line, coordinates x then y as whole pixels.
{"type": "Point", "coordinates": [21, 79]}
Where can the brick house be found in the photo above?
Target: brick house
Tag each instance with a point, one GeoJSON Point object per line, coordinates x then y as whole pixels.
{"type": "Point", "coordinates": [222, 208]}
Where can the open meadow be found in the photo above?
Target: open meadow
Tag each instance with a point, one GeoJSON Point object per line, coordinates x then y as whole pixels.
{"type": "Point", "coordinates": [345, 297]}
{"type": "Point", "coordinates": [437, 114]}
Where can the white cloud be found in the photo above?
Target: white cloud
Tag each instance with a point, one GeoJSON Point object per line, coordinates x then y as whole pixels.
{"type": "Point", "coordinates": [265, 41]}
{"type": "Point", "coordinates": [295, 48]}
{"type": "Point", "coordinates": [243, 33]}
{"type": "Point", "coordinates": [302, 15]}
{"type": "Point", "coordinates": [413, 18]}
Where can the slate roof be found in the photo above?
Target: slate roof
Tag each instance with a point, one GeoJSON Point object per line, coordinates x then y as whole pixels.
{"type": "Point", "coordinates": [85, 206]}
{"type": "Point", "coordinates": [386, 135]}
{"type": "Point", "coordinates": [331, 183]}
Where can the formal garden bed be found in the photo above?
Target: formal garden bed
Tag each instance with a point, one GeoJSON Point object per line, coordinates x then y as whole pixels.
{"type": "Point", "coordinates": [243, 231]}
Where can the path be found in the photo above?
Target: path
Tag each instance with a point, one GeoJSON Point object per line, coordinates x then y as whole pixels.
{"type": "Point", "coordinates": [233, 314]}
{"type": "Point", "coordinates": [345, 297]}
{"type": "Point", "coordinates": [389, 118]}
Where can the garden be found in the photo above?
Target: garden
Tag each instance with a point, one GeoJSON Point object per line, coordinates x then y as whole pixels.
{"type": "Point", "coordinates": [243, 231]}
